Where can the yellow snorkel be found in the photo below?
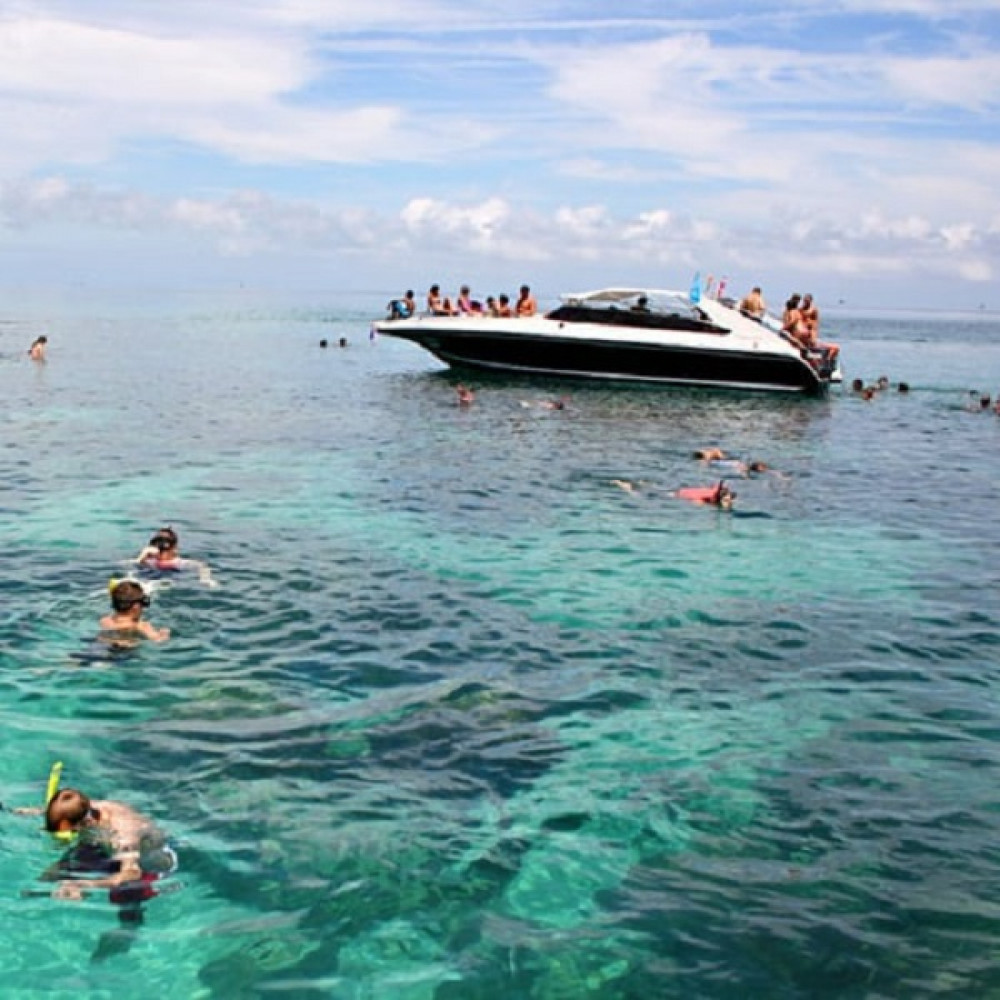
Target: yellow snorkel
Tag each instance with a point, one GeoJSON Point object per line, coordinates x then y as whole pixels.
{"type": "Point", "coordinates": [50, 793]}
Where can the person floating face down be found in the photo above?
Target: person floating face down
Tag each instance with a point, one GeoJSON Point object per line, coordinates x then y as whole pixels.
{"type": "Point", "coordinates": [128, 599]}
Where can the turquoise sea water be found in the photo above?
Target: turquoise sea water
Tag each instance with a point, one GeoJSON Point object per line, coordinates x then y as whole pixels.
{"type": "Point", "coordinates": [464, 720]}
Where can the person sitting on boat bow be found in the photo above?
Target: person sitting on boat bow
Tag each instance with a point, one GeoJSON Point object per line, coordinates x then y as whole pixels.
{"type": "Point", "coordinates": [753, 305]}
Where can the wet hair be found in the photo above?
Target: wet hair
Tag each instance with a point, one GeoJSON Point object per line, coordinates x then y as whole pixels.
{"type": "Point", "coordinates": [126, 594]}
{"type": "Point", "coordinates": [903, 387]}
{"type": "Point", "coordinates": [66, 806]}
{"type": "Point", "coordinates": [322, 343]}
{"type": "Point", "coordinates": [757, 467]}
{"type": "Point", "coordinates": [165, 538]}
{"type": "Point", "coordinates": [342, 342]}
{"type": "Point", "coordinates": [858, 384]}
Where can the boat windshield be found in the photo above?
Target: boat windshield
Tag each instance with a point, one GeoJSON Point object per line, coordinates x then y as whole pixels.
{"type": "Point", "coordinates": [635, 308]}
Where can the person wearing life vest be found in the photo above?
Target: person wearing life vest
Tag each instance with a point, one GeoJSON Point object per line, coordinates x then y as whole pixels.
{"type": "Point", "coordinates": [720, 495]}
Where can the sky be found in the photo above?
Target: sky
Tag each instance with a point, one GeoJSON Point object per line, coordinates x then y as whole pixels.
{"type": "Point", "coordinates": [846, 147]}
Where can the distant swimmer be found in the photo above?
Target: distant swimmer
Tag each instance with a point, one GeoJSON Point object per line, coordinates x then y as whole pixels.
{"type": "Point", "coordinates": [124, 624]}
{"type": "Point", "coordinates": [38, 348]}
{"type": "Point", "coordinates": [163, 553]}
{"type": "Point", "coordinates": [720, 495]}
{"type": "Point", "coordinates": [628, 485]}
{"type": "Point", "coordinates": [464, 395]}
{"type": "Point", "coordinates": [718, 459]}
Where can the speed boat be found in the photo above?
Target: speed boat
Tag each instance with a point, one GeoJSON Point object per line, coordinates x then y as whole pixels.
{"type": "Point", "coordinates": [628, 334]}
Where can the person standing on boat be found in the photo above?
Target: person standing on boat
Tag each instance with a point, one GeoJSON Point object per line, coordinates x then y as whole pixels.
{"type": "Point", "coordinates": [753, 305]}
{"type": "Point", "coordinates": [504, 310]}
{"type": "Point", "coordinates": [526, 304]}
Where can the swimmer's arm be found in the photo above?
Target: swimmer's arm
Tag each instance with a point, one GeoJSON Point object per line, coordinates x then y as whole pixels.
{"type": "Point", "coordinates": [145, 554]}
{"type": "Point", "coordinates": [75, 888]}
{"type": "Point", "coordinates": [152, 632]}
{"type": "Point", "coordinates": [204, 572]}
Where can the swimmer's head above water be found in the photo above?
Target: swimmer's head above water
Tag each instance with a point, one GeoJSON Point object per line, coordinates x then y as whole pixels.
{"type": "Point", "coordinates": [126, 594]}
{"type": "Point", "coordinates": [69, 811]}
{"type": "Point", "coordinates": [724, 496]}
{"type": "Point", "coordinates": [164, 540]}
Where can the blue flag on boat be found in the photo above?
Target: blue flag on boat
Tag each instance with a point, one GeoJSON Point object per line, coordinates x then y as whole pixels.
{"type": "Point", "coordinates": [695, 294]}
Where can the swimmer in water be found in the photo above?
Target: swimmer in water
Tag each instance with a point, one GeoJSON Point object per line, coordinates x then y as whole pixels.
{"type": "Point", "coordinates": [110, 846]}
{"type": "Point", "coordinates": [163, 553]}
{"type": "Point", "coordinates": [465, 396]}
{"type": "Point", "coordinates": [718, 459]}
{"type": "Point", "coordinates": [125, 621]}
{"type": "Point", "coordinates": [627, 485]}
{"type": "Point", "coordinates": [720, 495]}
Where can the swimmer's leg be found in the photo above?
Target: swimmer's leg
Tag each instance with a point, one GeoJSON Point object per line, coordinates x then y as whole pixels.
{"type": "Point", "coordinates": [116, 942]}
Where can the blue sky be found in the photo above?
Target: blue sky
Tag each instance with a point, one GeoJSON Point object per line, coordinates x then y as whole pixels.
{"type": "Point", "coordinates": [851, 147]}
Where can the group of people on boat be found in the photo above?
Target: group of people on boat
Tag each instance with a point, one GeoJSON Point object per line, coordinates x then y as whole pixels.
{"type": "Point", "coordinates": [799, 321]}
{"type": "Point", "coordinates": [464, 304]}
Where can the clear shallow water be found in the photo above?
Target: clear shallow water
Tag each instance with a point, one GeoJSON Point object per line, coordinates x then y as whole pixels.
{"type": "Point", "coordinates": [464, 720]}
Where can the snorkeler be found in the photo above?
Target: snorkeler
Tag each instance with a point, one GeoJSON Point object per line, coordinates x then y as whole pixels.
{"type": "Point", "coordinates": [163, 553]}
{"type": "Point", "coordinates": [122, 844]}
{"type": "Point", "coordinates": [720, 495]}
{"type": "Point", "coordinates": [109, 845]}
{"type": "Point", "coordinates": [125, 621]}
{"type": "Point", "coordinates": [718, 459]}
